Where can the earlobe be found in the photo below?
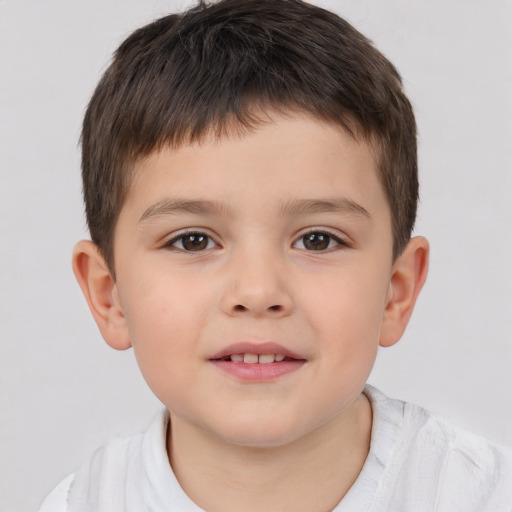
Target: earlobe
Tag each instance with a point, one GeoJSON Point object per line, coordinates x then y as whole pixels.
{"type": "Point", "coordinates": [101, 294]}
{"type": "Point", "coordinates": [407, 279]}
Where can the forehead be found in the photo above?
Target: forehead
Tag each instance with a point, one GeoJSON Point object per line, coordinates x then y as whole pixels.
{"type": "Point", "coordinates": [284, 158]}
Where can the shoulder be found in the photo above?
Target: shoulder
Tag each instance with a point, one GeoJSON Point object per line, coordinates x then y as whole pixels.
{"type": "Point", "coordinates": [432, 455]}
{"type": "Point", "coordinates": [119, 467]}
{"type": "Point", "coordinates": [466, 467]}
{"type": "Point", "coordinates": [463, 450]}
{"type": "Point", "coordinates": [57, 500]}
{"type": "Point", "coordinates": [109, 462]}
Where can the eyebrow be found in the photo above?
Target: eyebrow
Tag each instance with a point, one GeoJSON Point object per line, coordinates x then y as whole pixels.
{"type": "Point", "coordinates": [334, 205]}
{"type": "Point", "coordinates": [183, 206]}
{"type": "Point", "coordinates": [295, 207]}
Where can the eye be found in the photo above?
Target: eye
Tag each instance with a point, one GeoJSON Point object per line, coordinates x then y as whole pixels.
{"type": "Point", "coordinates": [193, 241]}
{"type": "Point", "coordinates": [318, 241]}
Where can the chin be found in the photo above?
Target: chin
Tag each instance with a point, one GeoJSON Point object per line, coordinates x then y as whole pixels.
{"type": "Point", "coordinates": [261, 434]}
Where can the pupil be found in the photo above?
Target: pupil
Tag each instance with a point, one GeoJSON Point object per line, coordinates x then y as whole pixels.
{"type": "Point", "coordinates": [195, 242]}
{"type": "Point", "coordinates": [316, 241]}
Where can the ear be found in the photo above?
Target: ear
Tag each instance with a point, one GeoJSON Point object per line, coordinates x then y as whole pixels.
{"type": "Point", "coordinates": [408, 276]}
{"type": "Point", "coordinates": [101, 294]}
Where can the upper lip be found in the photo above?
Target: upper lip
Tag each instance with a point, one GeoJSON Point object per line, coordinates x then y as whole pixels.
{"type": "Point", "coordinates": [267, 347]}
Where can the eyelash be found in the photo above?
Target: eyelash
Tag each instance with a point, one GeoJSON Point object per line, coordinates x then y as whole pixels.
{"type": "Point", "coordinates": [209, 240]}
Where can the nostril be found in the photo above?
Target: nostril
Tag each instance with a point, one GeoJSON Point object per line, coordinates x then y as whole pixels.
{"type": "Point", "coordinates": [240, 307]}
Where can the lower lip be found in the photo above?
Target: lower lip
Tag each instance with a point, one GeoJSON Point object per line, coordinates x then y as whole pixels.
{"type": "Point", "coordinates": [258, 371]}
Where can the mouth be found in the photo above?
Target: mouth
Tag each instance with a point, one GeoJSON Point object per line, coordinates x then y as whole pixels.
{"type": "Point", "coordinates": [257, 362]}
{"type": "Point", "coordinates": [249, 358]}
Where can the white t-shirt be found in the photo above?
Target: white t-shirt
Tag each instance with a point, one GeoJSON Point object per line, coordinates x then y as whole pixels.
{"type": "Point", "coordinates": [417, 463]}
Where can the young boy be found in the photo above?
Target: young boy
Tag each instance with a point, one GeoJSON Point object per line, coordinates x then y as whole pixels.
{"type": "Point", "coordinates": [250, 181]}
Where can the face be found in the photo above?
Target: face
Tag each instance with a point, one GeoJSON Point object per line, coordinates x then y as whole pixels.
{"type": "Point", "coordinates": [253, 273]}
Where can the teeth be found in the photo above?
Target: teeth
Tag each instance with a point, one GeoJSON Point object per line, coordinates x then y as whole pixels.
{"type": "Point", "coordinates": [255, 358]}
{"type": "Point", "coordinates": [250, 358]}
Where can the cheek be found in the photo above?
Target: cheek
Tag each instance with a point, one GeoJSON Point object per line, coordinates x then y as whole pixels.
{"type": "Point", "coordinates": [162, 304]}
{"type": "Point", "coordinates": [165, 319]}
{"type": "Point", "coordinates": [347, 309]}
{"type": "Point", "coordinates": [346, 316]}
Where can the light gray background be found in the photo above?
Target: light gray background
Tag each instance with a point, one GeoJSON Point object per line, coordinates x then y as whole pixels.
{"type": "Point", "coordinates": [63, 392]}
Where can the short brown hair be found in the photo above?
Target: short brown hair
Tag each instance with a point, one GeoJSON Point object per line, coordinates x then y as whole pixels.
{"type": "Point", "coordinates": [208, 69]}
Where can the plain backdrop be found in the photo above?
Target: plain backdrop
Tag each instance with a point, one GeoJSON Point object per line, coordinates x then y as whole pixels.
{"type": "Point", "coordinates": [63, 392]}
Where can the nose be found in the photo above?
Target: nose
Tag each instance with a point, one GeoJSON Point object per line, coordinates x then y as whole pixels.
{"type": "Point", "coordinates": [256, 285]}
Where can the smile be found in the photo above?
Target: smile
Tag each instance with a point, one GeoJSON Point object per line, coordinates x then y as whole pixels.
{"type": "Point", "coordinates": [257, 362]}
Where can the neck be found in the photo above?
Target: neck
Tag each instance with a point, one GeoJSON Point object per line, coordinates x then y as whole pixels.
{"type": "Point", "coordinates": [310, 474]}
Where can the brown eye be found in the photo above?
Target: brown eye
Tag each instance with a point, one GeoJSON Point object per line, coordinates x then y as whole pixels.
{"type": "Point", "coordinates": [192, 242]}
{"type": "Point", "coordinates": [316, 241]}
{"type": "Point", "coordinates": [195, 242]}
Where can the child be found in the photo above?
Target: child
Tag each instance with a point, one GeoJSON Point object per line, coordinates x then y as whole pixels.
{"type": "Point", "coordinates": [250, 182]}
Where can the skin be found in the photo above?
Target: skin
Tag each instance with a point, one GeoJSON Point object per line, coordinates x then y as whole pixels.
{"type": "Point", "coordinates": [299, 441]}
